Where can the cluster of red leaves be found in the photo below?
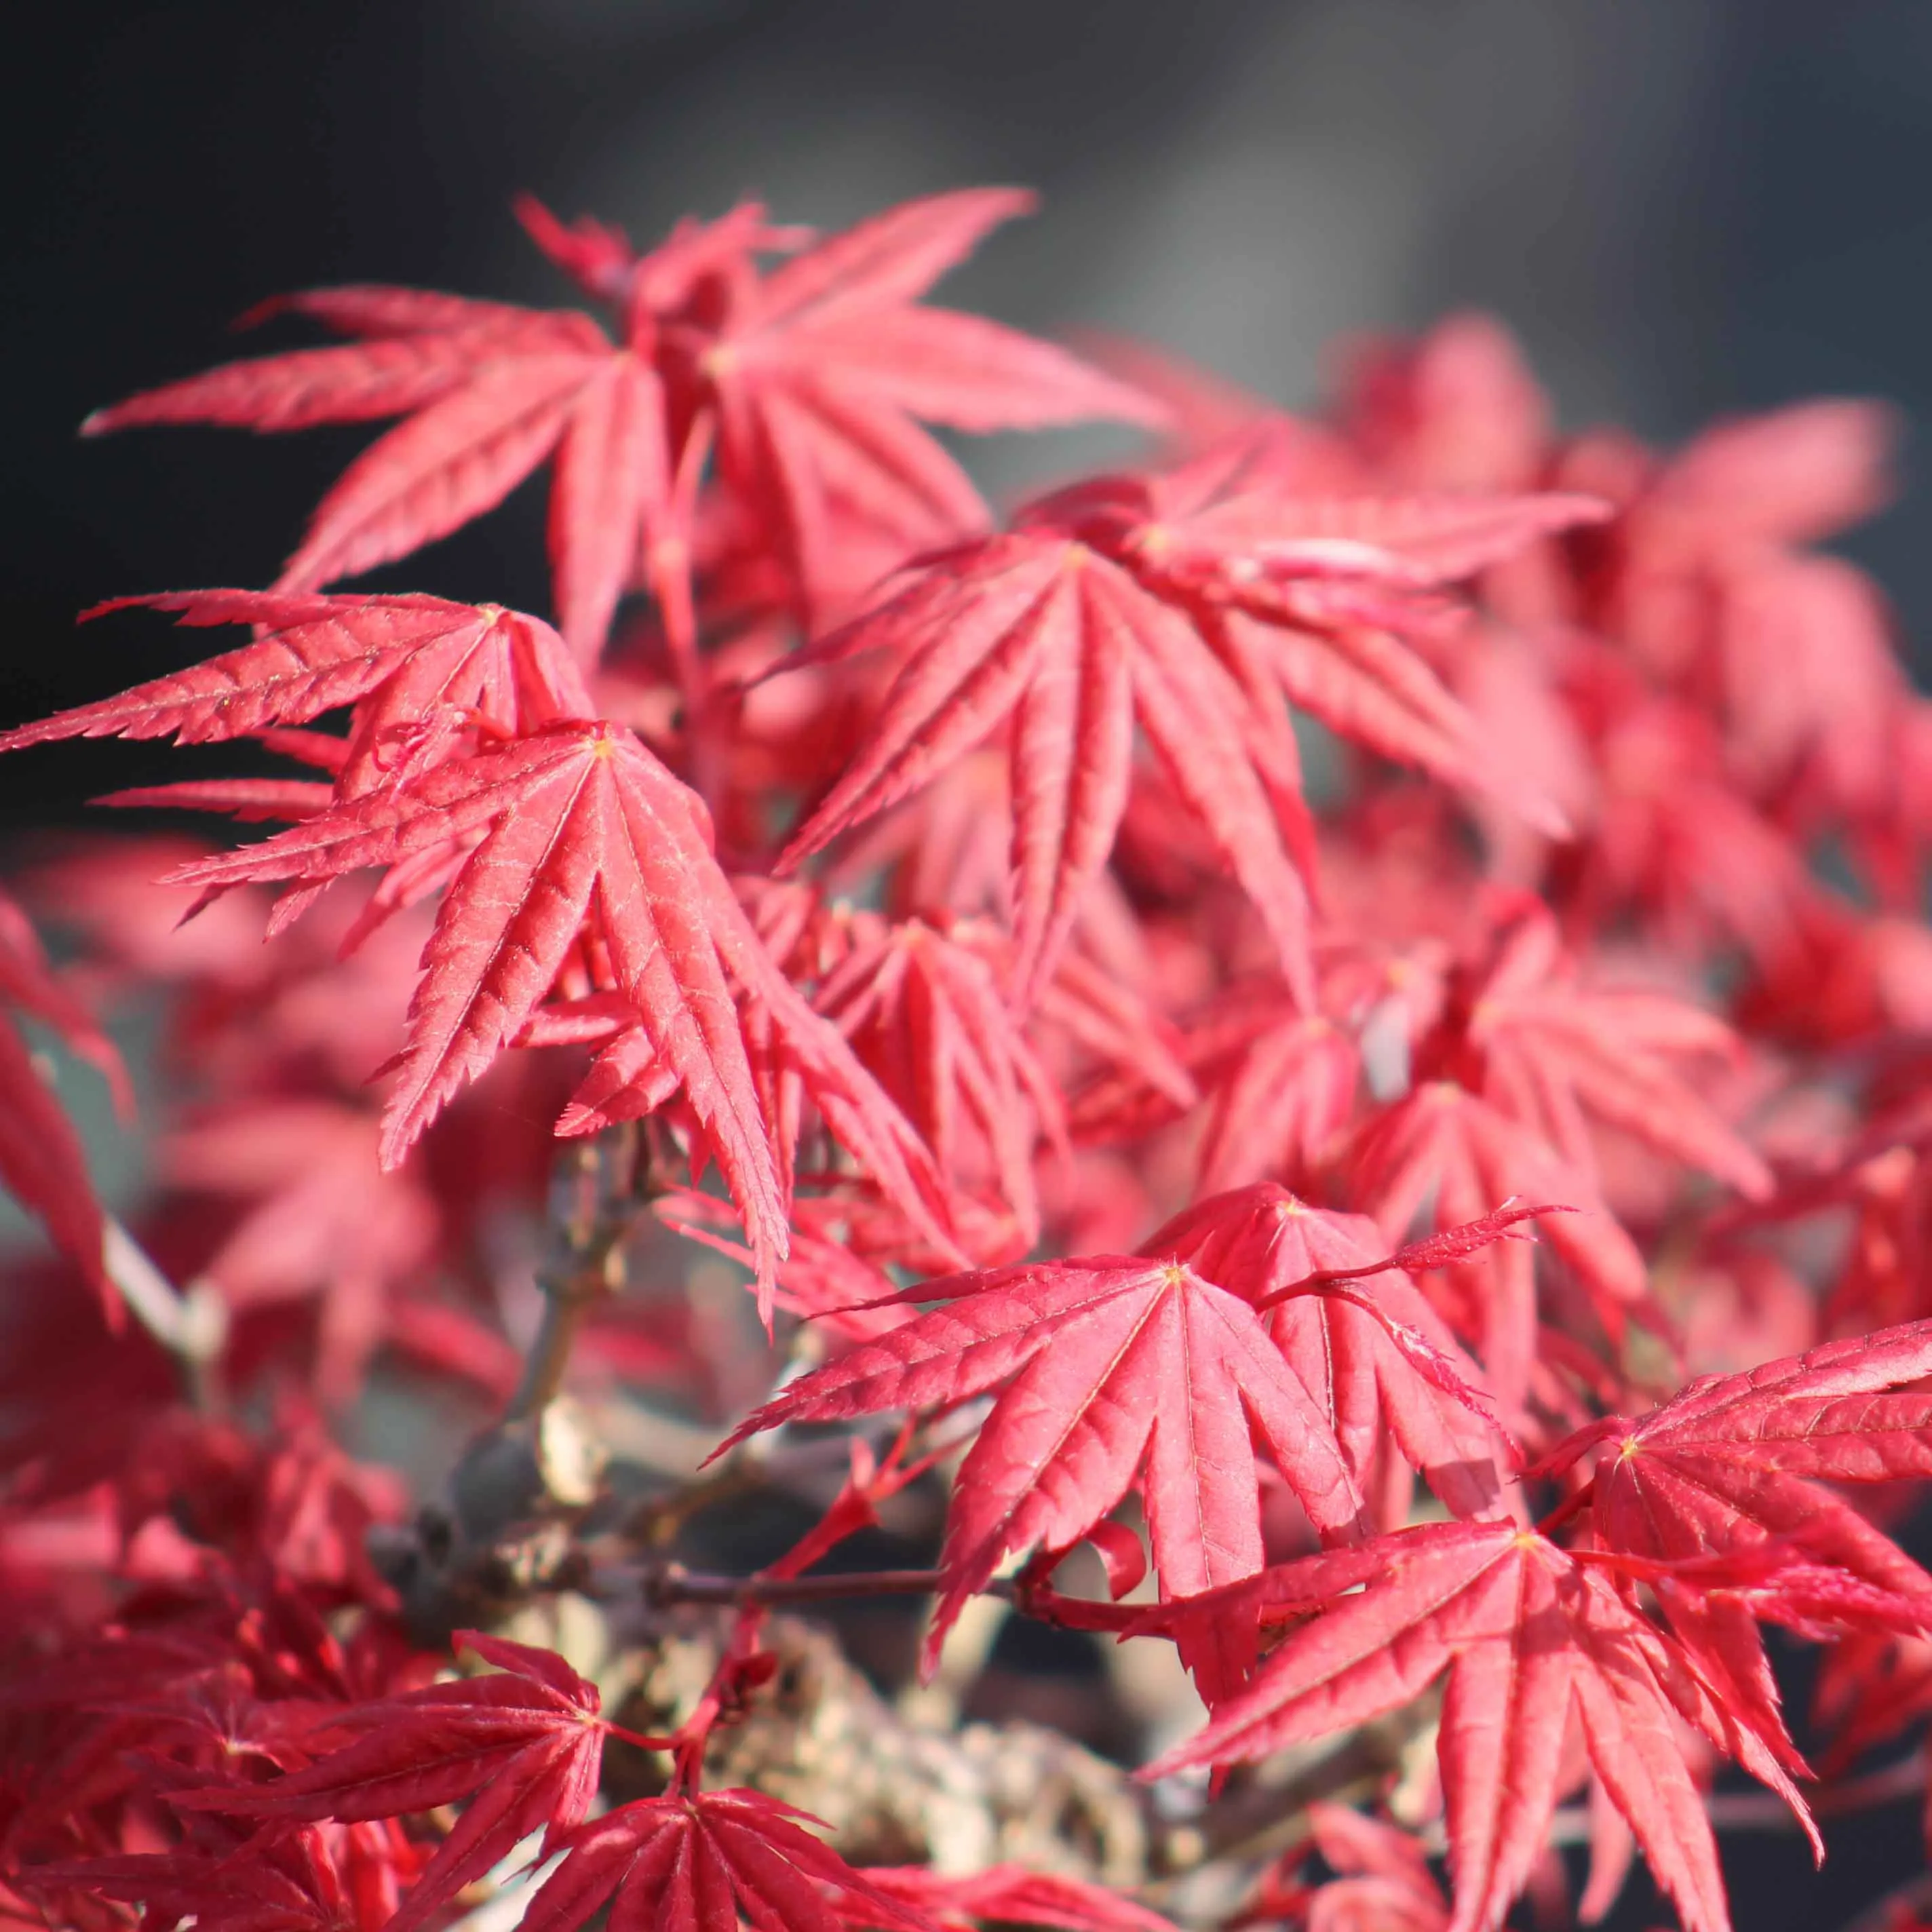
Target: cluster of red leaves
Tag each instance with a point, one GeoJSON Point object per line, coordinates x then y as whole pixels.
{"type": "Point", "coordinates": [1311, 845]}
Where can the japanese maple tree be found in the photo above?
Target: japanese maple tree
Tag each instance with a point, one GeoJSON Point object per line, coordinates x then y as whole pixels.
{"type": "Point", "coordinates": [1305, 1063]}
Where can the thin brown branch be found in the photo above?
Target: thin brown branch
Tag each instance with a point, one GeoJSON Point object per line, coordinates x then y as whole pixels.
{"type": "Point", "coordinates": [669, 1585]}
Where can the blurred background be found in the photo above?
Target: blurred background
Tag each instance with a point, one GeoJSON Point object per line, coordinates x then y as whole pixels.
{"type": "Point", "coordinates": [1684, 208]}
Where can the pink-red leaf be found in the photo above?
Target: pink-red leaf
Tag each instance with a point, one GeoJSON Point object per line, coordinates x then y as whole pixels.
{"type": "Point", "coordinates": [1526, 1636]}
{"type": "Point", "coordinates": [1112, 1373]}
{"type": "Point", "coordinates": [703, 1864]}
{"type": "Point", "coordinates": [416, 667]}
{"type": "Point", "coordinates": [576, 820]}
{"type": "Point", "coordinates": [1065, 643]}
{"type": "Point", "coordinates": [523, 1746]}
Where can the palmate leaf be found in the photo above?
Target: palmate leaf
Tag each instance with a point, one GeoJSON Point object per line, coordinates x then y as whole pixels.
{"type": "Point", "coordinates": [1379, 1361]}
{"type": "Point", "coordinates": [1332, 601]}
{"type": "Point", "coordinates": [1556, 1055]}
{"type": "Point", "coordinates": [578, 823]}
{"type": "Point", "coordinates": [1731, 1460]}
{"type": "Point", "coordinates": [1035, 629]}
{"type": "Point", "coordinates": [419, 670]}
{"type": "Point", "coordinates": [490, 392]}
{"type": "Point", "coordinates": [1733, 1464]}
{"type": "Point", "coordinates": [702, 1864]}
{"type": "Point", "coordinates": [524, 1746]}
{"type": "Point", "coordinates": [816, 376]}
{"type": "Point", "coordinates": [578, 817]}
{"type": "Point", "coordinates": [1162, 1370]}
{"type": "Point", "coordinates": [1113, 1372]}
{"type": "Point", "coordinates": [1109, 604]}
{"type": "Point", "coordinates": [1529, 1637]}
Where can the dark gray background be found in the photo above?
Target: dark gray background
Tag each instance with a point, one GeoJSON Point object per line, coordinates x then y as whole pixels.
{"type": "Point", "coordinates": [1685, 207]}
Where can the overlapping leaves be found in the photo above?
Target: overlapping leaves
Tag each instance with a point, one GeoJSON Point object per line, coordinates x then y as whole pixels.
{"type": "Point", "coordinates": [809, 379]}
{"type": "Point", "coordinates": [1160, 1372]}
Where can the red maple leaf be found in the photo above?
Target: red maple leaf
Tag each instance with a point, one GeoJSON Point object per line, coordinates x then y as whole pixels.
{"type": "Point", "coordinates": [578, 815]}
{"type": "Point", "coordinates": [1734, 1462]}
{"type": "Point", "coordinates": [1554, 1054]}
{"type": "Point", "coordinates": [1063, 642]}
{"type": "Point", "coordinates": [1377, 1358]}
{"type": "Point", "coordinates": [523, 1745]}
{"type": "Point", "coordinates": [490, 392]}
{"type": "Point", "coordinates": [813, 376]}
{"type": "Point", "coordinates": [1445, 1153]}
{"type": "Point", "coordinates": [1732, 1458]}
{"type": "Point", "coordinates": [1333, 602]}
{"type": "Point", "coordinates": [673, 1863]}
{"type": "Point", "coordinates": [1529, 1636]}
{"type": "Point", "coordinates": [1105, 605]}
{"type": "Point", "coordinates": [421, 672]}
{"type": "Point", "coordinates": [1113, 1372]}
{"type": "Point", "coordinates": [581, 823]}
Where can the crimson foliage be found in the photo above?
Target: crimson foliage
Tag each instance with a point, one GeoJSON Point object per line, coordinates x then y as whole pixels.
{"type": "Point", "coordinates": [1348, 847]}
